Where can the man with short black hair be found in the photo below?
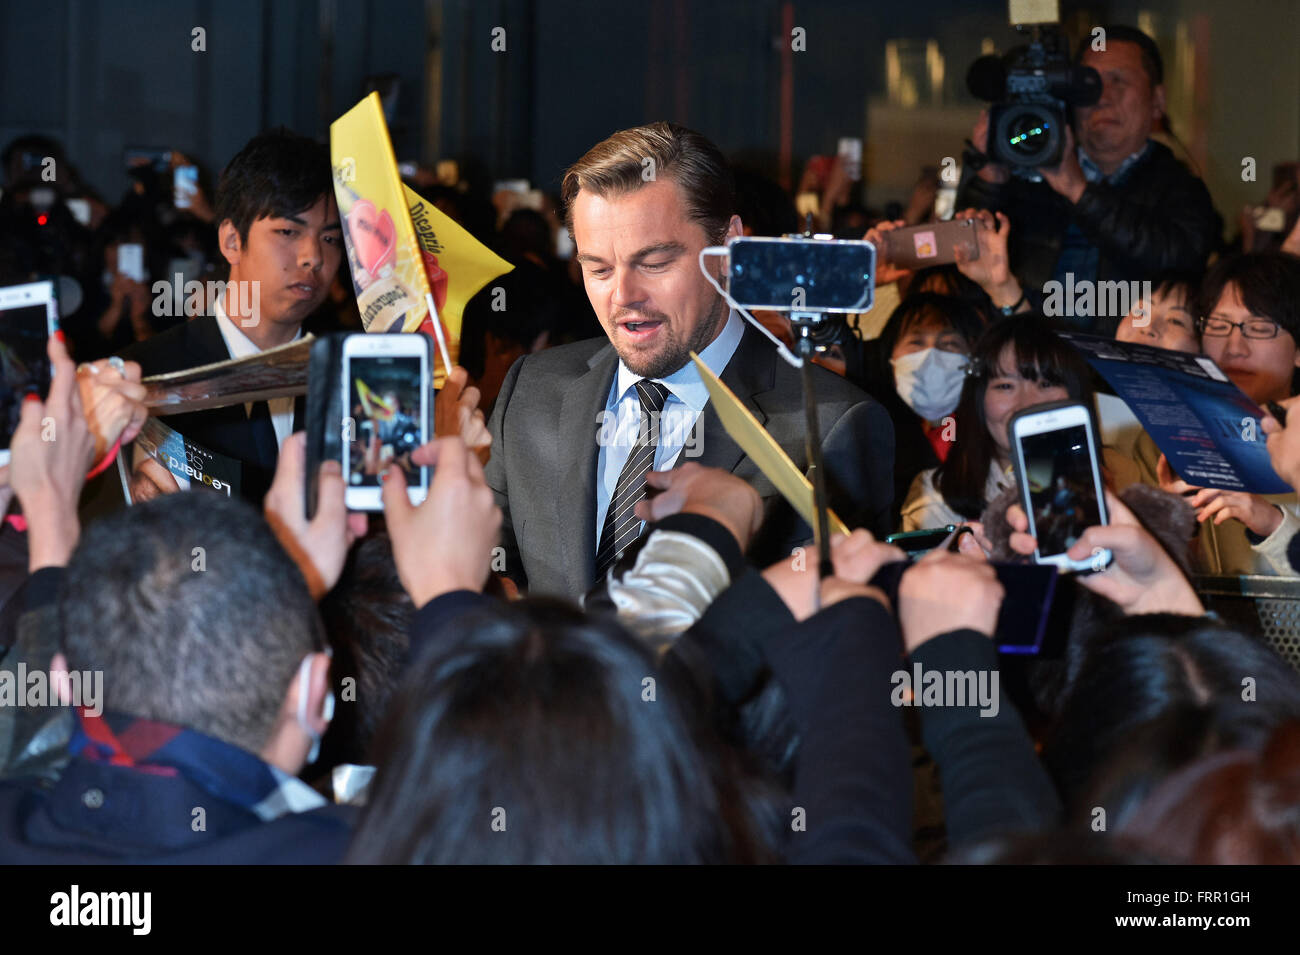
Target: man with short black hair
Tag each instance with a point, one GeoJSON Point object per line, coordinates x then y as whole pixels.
{"type": "Point", "coordinates": [1119, 207]}
{"type": "Point", "coordinates": [279, 231]}
{"type": "Point", "coordinates": [215, 687]}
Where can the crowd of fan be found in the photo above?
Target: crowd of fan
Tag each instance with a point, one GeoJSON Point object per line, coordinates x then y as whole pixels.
{"type": "Point", "coordinates": [262, 667]}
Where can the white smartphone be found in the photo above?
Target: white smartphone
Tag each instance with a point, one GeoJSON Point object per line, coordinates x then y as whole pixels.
{"type": "Point", "coordinates": [386, 413]}
{"type": "Point", "coordinates": [29, 315]}
{"type": "Point", "coordinates": [185, 185]}
{"type": "Point", "coordinates": [80, 209]}
{"type": "Point", "coordinates": [130, 260]}
{"type": "Point", "coordinates": [1058, 471]}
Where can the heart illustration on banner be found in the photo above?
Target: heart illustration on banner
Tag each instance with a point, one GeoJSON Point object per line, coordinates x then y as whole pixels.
{"type": "Point", "coordinates": [373, 236]}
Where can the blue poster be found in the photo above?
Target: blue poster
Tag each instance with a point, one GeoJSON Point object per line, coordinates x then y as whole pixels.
{"type": "Point", "coordinates": [1205, 426]}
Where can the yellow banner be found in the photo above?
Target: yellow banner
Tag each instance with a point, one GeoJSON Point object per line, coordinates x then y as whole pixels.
{"type": "Point", "coordinates": [457, 264]}
{"type": "Point", "coordinates": [400, 248]}
{"type": "Point", "coordinates": [763, 450]}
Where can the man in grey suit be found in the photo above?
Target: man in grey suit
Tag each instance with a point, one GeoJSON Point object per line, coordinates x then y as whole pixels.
{"type": "Point", "coordinates": [575, 428]}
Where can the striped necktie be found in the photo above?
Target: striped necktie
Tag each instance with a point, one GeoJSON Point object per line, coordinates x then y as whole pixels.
{"type": "Point", "coordinates": [622, 526]}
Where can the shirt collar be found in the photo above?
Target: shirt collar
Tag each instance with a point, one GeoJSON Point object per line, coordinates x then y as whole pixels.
{"type": "Point", "coordinates": [685, 384]}
{"type": "Point", "coordinates": [1092, 172]}
{"type": "Point", "coordinates": [239, 344]}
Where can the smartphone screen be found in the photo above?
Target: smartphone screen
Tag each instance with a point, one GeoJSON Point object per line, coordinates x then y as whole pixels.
{"type": "Point", "coordinates": [80, 209]}
{"type": "Point", "coordinates": [384, 405]}
{"type": "Point", "coordinates": [185, 183]}
{"type": "Point", "coordinates": [26, 323]}
{"type": "Point", "coordinates": [130, 260]}
{"type": "Point", "coordinates": [1062, 488]}
{"type": "Point", "coordinates": [802, 274]}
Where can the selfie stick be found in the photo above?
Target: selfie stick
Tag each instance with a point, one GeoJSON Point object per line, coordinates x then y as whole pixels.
{"type": "Point", "coordinates": [803, 324]}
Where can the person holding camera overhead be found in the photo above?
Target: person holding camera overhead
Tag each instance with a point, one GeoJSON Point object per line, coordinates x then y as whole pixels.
{"type": "Point", "coordinates": [1118, 206]}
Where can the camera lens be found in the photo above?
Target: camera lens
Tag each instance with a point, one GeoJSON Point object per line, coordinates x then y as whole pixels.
{"type": "Point", "coordinates": [1030, 135]}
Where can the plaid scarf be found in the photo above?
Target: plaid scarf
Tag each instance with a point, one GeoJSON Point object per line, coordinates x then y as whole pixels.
{"type": "Point", "coordinates": [227, 772]}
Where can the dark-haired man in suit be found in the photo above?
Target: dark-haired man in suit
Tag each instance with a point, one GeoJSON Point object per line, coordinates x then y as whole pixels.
{"type": "Point", "coordinates": [575, 428]}
{"type": "Point", "coordinates": [279, 231]}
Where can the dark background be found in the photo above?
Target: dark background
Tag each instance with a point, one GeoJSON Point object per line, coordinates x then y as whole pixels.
{"type": "Point", "coordinates": [104, 76]}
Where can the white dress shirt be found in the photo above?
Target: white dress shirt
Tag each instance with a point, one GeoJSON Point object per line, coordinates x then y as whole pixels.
{"type": "Point", "coordinates": [687, 396]}
{"type": "Point", "coordinates": [241, 346]}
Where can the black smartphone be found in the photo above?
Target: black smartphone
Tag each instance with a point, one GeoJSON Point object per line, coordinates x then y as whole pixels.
{"type": "Point", "coordinates": [29, 315]}
{"type": "Point", "coordinates": [799, 274]}
{"type": "Point", "coordinates": [1027, 606]}
{"type": "Point", "coordinates": [916, 543]}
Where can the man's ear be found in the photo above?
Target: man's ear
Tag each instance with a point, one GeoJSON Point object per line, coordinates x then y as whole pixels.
{"type": "Point", "coordinates": [1158, 105]}
{"type": "Point", "coordinates": [229, 242]}
{"type": "Point", "coordinates": [735, 229]}
{"type": "Point", "coordinates": [318, 689]}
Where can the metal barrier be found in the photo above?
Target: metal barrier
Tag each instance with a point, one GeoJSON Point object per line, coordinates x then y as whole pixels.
{"type": "Point", "coordinates": [1269, 606]}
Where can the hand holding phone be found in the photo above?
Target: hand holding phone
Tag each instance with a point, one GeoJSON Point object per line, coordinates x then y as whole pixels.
{"type": "Point", "coordinates": [318, 546]}
{"type": "Point", "coordinates": [130, 261]}
{"type": "Point", "coordinates": [943, 592]}
{"type": "Point", "coordinates": [185, 183]}
{"type": "Point", "coordinates": [1141, 578]}
{"type": "Point", "coordinates": [386, 406]}
{"type": "Point", "coordinates": [446, 542]}
{"type": "Point", "coordinates": [1058, 473]}
{"type": "Point", "coordinates": [932, 243]}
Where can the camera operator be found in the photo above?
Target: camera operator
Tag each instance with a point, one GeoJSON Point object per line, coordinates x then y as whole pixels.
{"type": "Point", "coordinates": [1119, 206]}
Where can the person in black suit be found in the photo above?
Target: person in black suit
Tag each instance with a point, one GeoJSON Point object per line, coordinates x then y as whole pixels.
{"type": "Point", "coordinates": [575, 428]}
{"type": "Point", "coordinates": [279, 231]}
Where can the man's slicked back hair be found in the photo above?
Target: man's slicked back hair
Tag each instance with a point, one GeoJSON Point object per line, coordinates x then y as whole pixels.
{"type": "Point", "coordinates": [278, 173]}
{"type": "Point", "coordinates": [207, 639]}
{"type": "Point", "coordinates": [632, 157]}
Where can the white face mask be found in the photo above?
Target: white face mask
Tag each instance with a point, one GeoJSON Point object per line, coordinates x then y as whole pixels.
{"type": "Point", "coordinates": [304, 684]}
{"type": "Point", "coordinates": [930, 381]}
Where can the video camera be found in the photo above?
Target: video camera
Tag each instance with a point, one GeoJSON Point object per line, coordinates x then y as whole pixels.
{"type": "Point", "coordinates": [1032, 89]}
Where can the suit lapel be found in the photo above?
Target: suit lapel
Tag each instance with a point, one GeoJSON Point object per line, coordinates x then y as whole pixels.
{"type": "Point", "coordinates": [205, 342]}
{"type": "Point", "coordinates": [749, 373]}
{"type": "Point", "coordinates": [583, 402]}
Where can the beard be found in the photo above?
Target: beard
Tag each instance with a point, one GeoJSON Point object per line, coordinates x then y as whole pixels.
{"type": "Point", "coordinates": [672, 352]}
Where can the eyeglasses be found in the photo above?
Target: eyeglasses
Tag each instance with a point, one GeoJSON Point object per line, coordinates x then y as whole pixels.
{"type": "Point", "coordinates": [1255, 328]}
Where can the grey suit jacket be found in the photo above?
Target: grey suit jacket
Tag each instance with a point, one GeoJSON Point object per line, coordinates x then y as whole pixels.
{"type": "Point", "coordinates": [545, 454]}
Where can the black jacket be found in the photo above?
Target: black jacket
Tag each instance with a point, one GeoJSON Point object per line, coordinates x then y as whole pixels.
{"type": "Point", "coordinates": [227, 430]}
{"type": "Point", "coordinates": [1160, 219]}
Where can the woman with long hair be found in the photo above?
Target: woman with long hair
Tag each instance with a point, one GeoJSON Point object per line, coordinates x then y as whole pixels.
{"type": "Point", "coordinates": [1018, 362]}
